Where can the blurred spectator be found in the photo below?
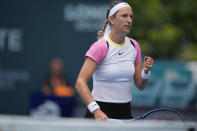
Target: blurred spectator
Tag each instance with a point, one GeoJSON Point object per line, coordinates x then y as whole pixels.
{"type": "Point", "coordinates": [56, 82]}
{"type": "Point", "coordinates": [57, 98]}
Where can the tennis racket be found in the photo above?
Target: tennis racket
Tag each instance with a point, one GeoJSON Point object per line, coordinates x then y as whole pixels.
{"type": "Point", "coordinates": [158, 114]}
{"type": "Point", "coordinates": [162, 114]}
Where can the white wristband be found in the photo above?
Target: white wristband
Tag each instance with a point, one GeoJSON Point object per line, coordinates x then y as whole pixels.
{"type": "Point", "coordinates": [145, 76]}
{"type": "Point", "coordinates": [93, 106]}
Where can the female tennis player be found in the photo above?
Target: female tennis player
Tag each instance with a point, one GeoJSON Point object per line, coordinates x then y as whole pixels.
{"type": "Point", "coordinates": [113, 61]}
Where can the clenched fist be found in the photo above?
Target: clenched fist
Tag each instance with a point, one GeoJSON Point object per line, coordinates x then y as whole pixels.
{"type": "Point", "coordinates": [148, 64]}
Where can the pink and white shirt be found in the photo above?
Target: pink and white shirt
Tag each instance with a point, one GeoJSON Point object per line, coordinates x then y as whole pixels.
{"type": "Point", "coordinates": [112, 79]}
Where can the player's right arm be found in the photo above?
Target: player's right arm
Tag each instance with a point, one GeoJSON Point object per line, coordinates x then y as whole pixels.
{"type": "Point", "coordinates": [82, 88]}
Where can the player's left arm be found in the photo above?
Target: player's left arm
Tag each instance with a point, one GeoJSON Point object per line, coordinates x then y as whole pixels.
{"type": "Point", "coordinates": [148, 64]}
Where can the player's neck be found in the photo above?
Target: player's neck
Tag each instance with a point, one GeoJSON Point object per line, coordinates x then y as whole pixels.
{"type": "Point", "coordinates": [117, 37]}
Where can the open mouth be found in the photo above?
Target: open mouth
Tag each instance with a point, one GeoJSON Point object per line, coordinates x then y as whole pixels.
{"type": "Point", "coordinates": [128, 26]}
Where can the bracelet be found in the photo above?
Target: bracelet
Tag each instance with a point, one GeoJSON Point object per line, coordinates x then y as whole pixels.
{"type": "Point", "coordinates": [145, 76]}
{"type": "Point", "coordinates": [93, 106]}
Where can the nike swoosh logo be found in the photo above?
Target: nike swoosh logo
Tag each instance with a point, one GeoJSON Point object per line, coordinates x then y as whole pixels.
{"type": "Point", "coordinates": [121, 53]}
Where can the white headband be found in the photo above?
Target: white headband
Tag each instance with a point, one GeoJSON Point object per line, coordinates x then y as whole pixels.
{"type": "Point", "coordinates": [111, 13]}
{"type": "Point", "coordinates": [117, 7]}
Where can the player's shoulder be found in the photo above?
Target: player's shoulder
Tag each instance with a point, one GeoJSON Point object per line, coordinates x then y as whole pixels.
{"type": "Point", "coordinates": [135, 42]}
{"type": "Point", "coordinates": [132, 39]}
{"type": "Point", "coordinates": [101, 43]}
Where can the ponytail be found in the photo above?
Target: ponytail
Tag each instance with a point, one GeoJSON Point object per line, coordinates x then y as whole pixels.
{"type": "Point", "coordinates": [100, 33]}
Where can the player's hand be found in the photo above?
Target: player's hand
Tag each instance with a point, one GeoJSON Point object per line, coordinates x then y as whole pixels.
{"type": "Point", "coordinates": [99, 115]}
{"type": "Point", "coordinates": [148, 64]}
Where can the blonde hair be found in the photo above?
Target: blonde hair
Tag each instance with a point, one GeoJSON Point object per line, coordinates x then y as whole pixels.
{"type": "Point", "coordinates": [100, 33]}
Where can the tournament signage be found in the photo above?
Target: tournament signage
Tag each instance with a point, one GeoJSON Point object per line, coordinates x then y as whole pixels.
{"type": "Point", "coordinates": [85, 17]}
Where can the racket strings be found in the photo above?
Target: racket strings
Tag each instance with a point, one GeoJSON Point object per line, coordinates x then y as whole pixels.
{"type": "Point", "coordinates": [165, 115]}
